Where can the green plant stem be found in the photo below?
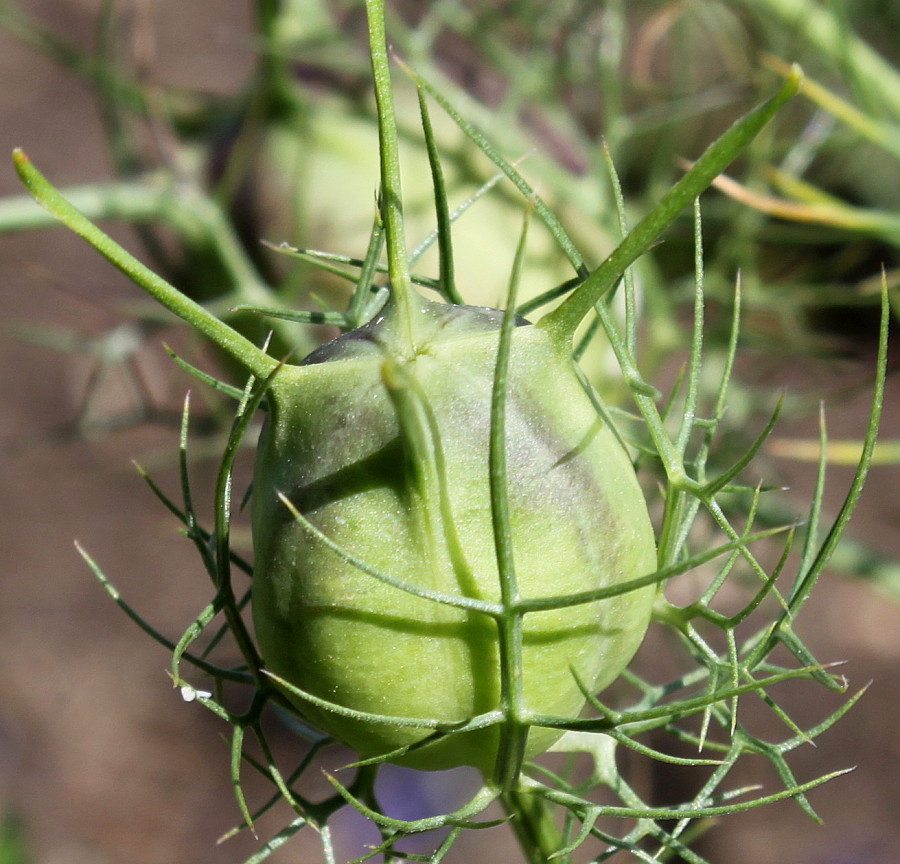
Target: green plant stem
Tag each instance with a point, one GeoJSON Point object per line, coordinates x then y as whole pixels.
{"type": "Point", "coordinates": [129, 202]}
{"type": "Point", "coordinates": [391, 192]}
{"type": "Point", "coordinates": [533, 824]}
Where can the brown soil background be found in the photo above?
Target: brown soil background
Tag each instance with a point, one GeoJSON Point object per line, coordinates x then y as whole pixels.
{"type": "Point", "coordinates": [98, 755]}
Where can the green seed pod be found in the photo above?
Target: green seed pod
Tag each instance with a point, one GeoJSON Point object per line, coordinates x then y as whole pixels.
{"type": "Point", "coordinates": [386, 456]}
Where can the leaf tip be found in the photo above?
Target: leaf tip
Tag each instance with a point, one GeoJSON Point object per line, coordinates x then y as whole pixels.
{"type": "Point", "coordinates": [22, 163]}
{"type": "Point", "coordinates": [793, 80]}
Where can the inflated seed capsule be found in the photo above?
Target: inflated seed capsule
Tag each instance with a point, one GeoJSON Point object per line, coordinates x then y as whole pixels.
{"type": "Point", "coordinates": [380, 459]}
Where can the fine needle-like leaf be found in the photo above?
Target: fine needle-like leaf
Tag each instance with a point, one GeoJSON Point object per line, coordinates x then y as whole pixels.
{"type": "Point", "coordinates": [229, 340]}
{"type": "Point", "coordinates": [563, 321]}
{"type": "Point", "coordinates": [156, 635]}
{"type": "Point", "coordinates": [210, 380]}
{"type": "Point", "coordinates": [547, 216]}
{"type": "Point", "coordinates": [447, 278]}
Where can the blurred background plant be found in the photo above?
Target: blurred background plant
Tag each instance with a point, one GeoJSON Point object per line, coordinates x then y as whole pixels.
{"type": "Point", "coordinates": [280, 144]}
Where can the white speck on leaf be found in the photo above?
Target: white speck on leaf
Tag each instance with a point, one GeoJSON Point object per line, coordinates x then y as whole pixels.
{"type": "Point", "coordinates": [189, 694]}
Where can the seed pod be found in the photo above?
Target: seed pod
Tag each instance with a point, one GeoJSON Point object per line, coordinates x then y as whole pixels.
{"type": "Point", "coordinates": [388, 459]}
